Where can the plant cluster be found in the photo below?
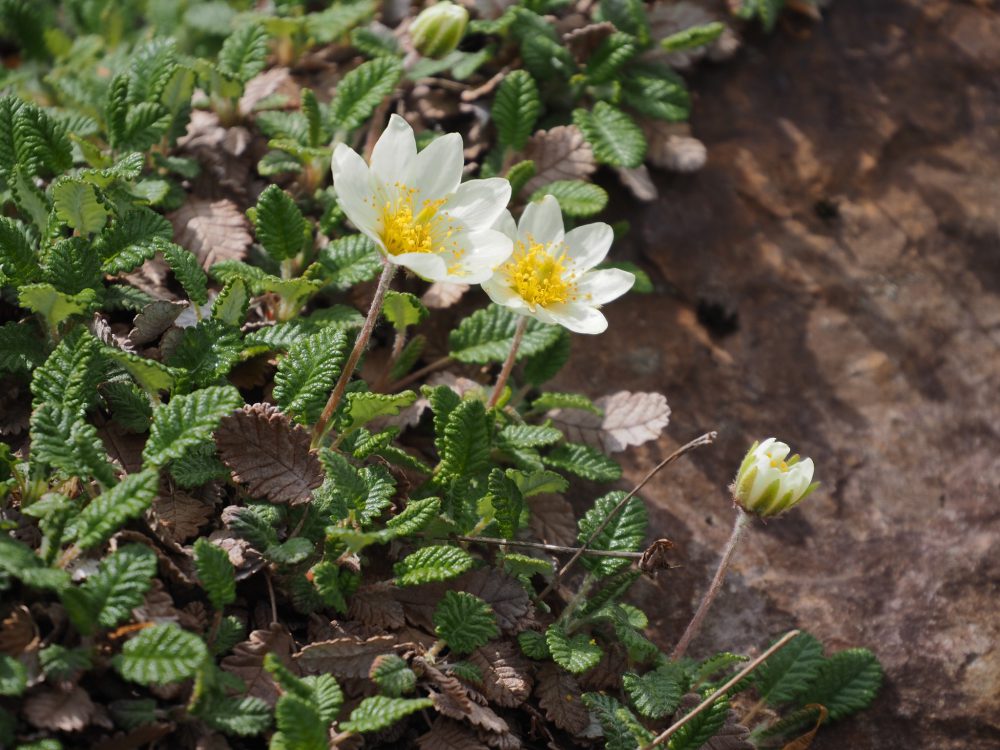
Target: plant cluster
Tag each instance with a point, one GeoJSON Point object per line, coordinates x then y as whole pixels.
{"type": "Point", "coordinates": [237, 512]}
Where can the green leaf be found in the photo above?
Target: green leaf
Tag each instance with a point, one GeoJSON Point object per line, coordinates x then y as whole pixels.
{"type": "Point", "coordinates": [628, 16]}
{"type": "Point", "coordinates": [17, 560]}
{"type": "Point", "coordinates": [466, 441]}
{"type": "Point", "coordinates": [230, 307]}
{"type": "Point", "coordinates": [188, 271]}
{"type": "Point", "coordinates": [533, 644]}
{"type": "Point", "coordinates": [486, 336]}
{"type": "Point", "coordinates": [361, 91]}
{"type": "Point", "coordinates": [656, 90]}
{"type": "Point", "coordinates": [624, 532]}
{"type": "Point", "coordinates": [432, 563]}
{"type": "Point", "coordinates": [349, 261]}
{"type": "Point", "coordinates": [657, 693]}
{"type": "Point", "coordinates": [299, 724]}
{"type": "Point", "coordinates": [72, 266]}
{"type": "Point", "coordinates": [846, 683]}
{"type": "Point", "coordinates": [538, 482]}
{"type": "Point", "coordinates": [611, 55]}
{"type": "Point", "coordinates": [765, 10]}
{"type": "Point", "coordinates": [151, 375]}
{"type": "Point", "coordinates": [132, 239]}
{"type": "Point", "coordinates": [619, 725]}
{"type": "Point", "coordinates": [464, 621]}
{"type": "Point", "coordinates": [613, 135]}
{"type": "Point", "coordinates": [564, 401]}
{"type": "Point", "coordinates": [186, 421]}
{"type": "Point", "coordinates": [361, 408]}
{"type": "Point", "coordinates": [108, 512]}
{"type": "Point", "coordinates": [392, 675]}
{"type": "Point", "coordinates": [197, 466]}
{"type": "Point", "coordinates": [279, 224]}
{"type": "Point", "coordinates": [415, 517]}
{"type": "Point", "coordinates": [364, 492]}
{"type": "Point", "coordinates": [13, 676]}
{"type": "Point", "coordinates": [121, 583]}
{"type": "Point", "coordinates": [76, 202]}
{"type": "Point", "coordinates": [693, 36]}
{"type": "Point", "coordinates": [242, 716]}
{"type": "Point", "coordinates": [716, 666]}
{"type": "Point", "coordinates": [508, 501]}
{"type": "Point", "coordinates": [244, 53]}
{"type": "Point", "coordinates": [61, 663]}
{"type": "Point", "coordinates": [307, 374]}
{"type": "Point", "coordinates": [576, 197]}
{"type": "Point", "coordinates": [530, 435]}
{"type": "Point", "coordinates": [576, 653]}
{"type": "Point", "coordinates": [701, 728]}
{"type": "Point", "coordinates": [283, 335]}
{"type": "Point", "coordinates": [789, 672]}
{"type": "Point", "coordinates": [585, 462]}
{"type": "Point", "coordinates": [207, 351]}
{"type": "Point", "coordinates": [215, 572]}
{"type": "Point", "coordinates": [291, 551]}
{"type": "Point", "coordinates": [403, 309]}
{"type": "Point", "coordinates": [380, 712]}
{"type": "Point", "coordinates": [66, 441]}
{"type": "Point", "coordinates": [21, 347]}
{"type": "Point", "coordinates": [161, 654]}
{"type": "Point", "coordinates": [53, 305]}
{"type": "Point", "coordinates": [18, 261]}
{"type": "Point", "coordinates": [516, 108]}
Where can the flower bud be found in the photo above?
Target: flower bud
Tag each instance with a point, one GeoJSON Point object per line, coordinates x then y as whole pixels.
{"type": "Point", "coordinates": [438, 29]}
{"type": "Point", "coordinates": [768, 483]}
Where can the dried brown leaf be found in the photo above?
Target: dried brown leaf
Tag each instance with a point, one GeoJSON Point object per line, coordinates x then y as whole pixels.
{"type": "Point", "coordinates": [212, 230]}
{"type": "Point", "coordinates": [732, 736]}
{"type": "Point", "coordinates": [59, 710]}
{"type": "Point", "coordinates": [269, 453]}
{"type": "Point", "coordinates": [247, 661]}
{"type": "Point", "coordinates": [639, 182]}
{"type": "Point", "coordinates": [629, 419]}
{"type": "Point", "coordinates": [607, 673]}
{"type": "Point", "coordinates": [144, 736]}
{"type": "Point", "coordinates": [501, 740]}
{"type": "Point", "coordinates": [442, 294]}
{"type": "Point", "coordinates": [584, 40]}
{"type": "Point", "coordinates": [123, 445]}
{"type": "Point", "coordinates": [151, 278]}
{"type": "Point", "coordinates": [347, 657]}
{"type": "Point", "coordinates": [178, 515]}
{"type": "Point", "coordinates": [375, 605]}
{"type": "Point", "coordinates": [552, 519]}
{"type": "Point", "coordinates": [672, 147]}
{"type": "Point", "coordinates": [18, 632]}
{"type": "Point", "coordinates": [276, 81]}
{"type": "Point", "coordinates": [106, 334]}
{"type": "Point", "coordinates": [15, 406]}
{"type": "Point", "coordinates": [505, 595]}
{"type": "Point", "coordinates": [506, 674]}
{"type": "Point", "coordinates": [446, 734]}
{"type": "Point", "coordinates": [559, 696]}
{"type": "Point", "coordinates": [804, 742]}
{"type": "Point", "coordinates": [560, 153]}
{"type": "Point", "coordinates": [242, 555]}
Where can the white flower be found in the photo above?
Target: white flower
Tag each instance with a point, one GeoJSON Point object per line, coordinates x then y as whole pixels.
{"type": "Point", "coordinates": [549, 275]}
{"type": "Point", "coordinates": [417, 209]}
{"type": "Point", "coordinates": [768, 484]}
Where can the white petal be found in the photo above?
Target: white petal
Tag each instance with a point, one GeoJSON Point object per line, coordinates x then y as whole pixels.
{"type": "Point", "coordinates": [765, 475]}
{"type": "Point", "coordinates": [764, 447]}
{"type": "Point", "coordinates": [505, 223]}
{"type": "Point", "coordinates": [805, 469]}
{"type": "Point", "coordinates": [503, 294]}
{"type": "Point", "coordinates": [487, 249]}
{"type": "Point", "coordinates": [480, 203]}
{"type": "Point", "coordinates": [425, 265]}
{"type": "Point", "coordinates": [578, 318]}
{"type": "Point", "coordinates": [352, 182]}
{"type": "Point", "coordinates": [542, 221]}
{"type": "Point", "coordinates": [437, 170]}
{"type": "Point", "coordinates": [778, 451]}
{"type": "Point", "coordinates": [394, 151]}
{"type": "Point", "coordinates": [600, 287]}
{"type": "Point", "coordinates": [588, 245]}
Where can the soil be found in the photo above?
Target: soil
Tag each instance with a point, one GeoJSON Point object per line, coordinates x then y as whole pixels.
{"type": "Point", "coordinates": [832, 277]}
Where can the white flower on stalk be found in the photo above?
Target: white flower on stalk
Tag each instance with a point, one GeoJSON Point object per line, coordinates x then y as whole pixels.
{"type": "Point", "coordinates": [416, 208]}
{"type": "Point", "coordinates": [768, 483]}
{"type": "Point", "coordinates": [549, 276]}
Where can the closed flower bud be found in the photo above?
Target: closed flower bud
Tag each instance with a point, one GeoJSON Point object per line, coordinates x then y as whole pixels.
{"type": "Point", "coordinates": [438, 29]}
{"type": "Point", "coordinates": [768, 483]}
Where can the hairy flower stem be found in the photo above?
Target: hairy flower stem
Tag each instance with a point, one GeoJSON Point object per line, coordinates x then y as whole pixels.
{"type": "Point", "coordinates": [508, 364]}
{"type": "Point", "coordinates": [742, 522]}
{"type": "Point", "coordinates": [323, 423]}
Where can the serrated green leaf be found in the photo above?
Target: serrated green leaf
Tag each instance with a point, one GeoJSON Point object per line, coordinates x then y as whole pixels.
{"type": "Point", "coordinates": [656, 90]}
{"type": "Point", "coordinates": [307, 374]}
{"type": "Point", "coordinates": [533, 644]}
{"type": "Point", "coordinates": [61, 663]}
{"type": "Point", "coordinates": [121, 583]}
{"type": "Point", "coordinates": [151, 375]}
{"type": "Point", "coordinates": [365, 492]}
{"type": "Point", "coordinates": [433, 563]}
{"type": "Point", "coordinates": [284, 335]}
{"type": "Point", "coordinates": [414, 517]}
{"type": "Point", "coordinates": [362, 408]}
{"type": "Point", "coordinates": [22, 349]}
{"type": "Point", "coordinates": [242, 716]}
{"type": "Point", "coordinates": [715, 666]}
{"type": "Point", "coordinates": [541, 481]}
{"type": "Point", "coordinates": [18, 260]}
{"type": "Point", "coordinates": [523, 565]}
{"type": "Point", "coordinates": [105, 514]}
{"type": "Point", "coordinates": [207, 351]}
{"type": "Point", "coordinates": [244, 53]}
{"type": "Point", "coordinates": [516, 108]}
{"type": "Point", "coordinates": [845, 683]}
{"type": "Point", "coordinates": [693, 36]}
{"type": "Point", "coordinates": [361, 91]}
{"type": "Point", "coordinates": [19, 561]}
{"type": "Point", "coordinates": [530, 435]}
{"type": "Point", "coordinates": [466, 441]}
{"type": "Point", "coordinates": [132, 239]}
{"type": "Point", "coordinates": [585, 462]}
{"type": "Point", "coordinates": [564, 401]}
{"type": "Point", "coordinates": [161, 654]}
{"type": "Point", "coordinates": [403, 309]}
{"type": "Point", "coordinates": [789, 672]}
{"type": "Point", "coordinates": [187, 420]}
{"type": "Point", "coordinates": [380, 712]}
{"type": "Point", "coordinates": [13, 676]}
{"type": "Point", "coordinates": [619, 725]}
{"type": "Point", "coordinates": [766, 11]}
{"type": "Point", "coordinates": [291, 551]}
{"type": "Point", "coordinates": [624, 532]}
{"type": "Point", "coordinates": [299, 724]}
{"type": "Point", "coordinates": [464, 621]}
{"type": "Point", "coordinates": [628, 16]}
{"type": "Point", "coordinates": [613, 135]}
{"type": "Point", "coordinates": [188, 271]}
{"type": "Point", "coordinates": [215, 572]}
{"type": "Point", "coordinates": [656, 693]}
{"type": "Point", "coordinates": [279, 224]}
{"type": "Point", "coordinates": [576, 653]}
{"type": "Point", "coordinates": [701, 728]}
{"type": "Point", "coordinates": [507, 499]}
{"type": "Point", "coordinates": [392, 675]}
{"type": "Point", "coordinates": [349, 261]}
{"type": "Point", "coordinates": [230, 307]}
{"type": "Point", "coordinates": [611, 55]}
{"type": "Point", "coordinates": [76, 202]}
{"type": "Point", "coordinates": [576, 197]}
{"type": "Point", "coordinates": [54, 305]}
{"type": "Point", "coordinates": [486, 336]}
{"type": "Point", "coordinates": [71, 266]}
{"type": "Point", "coordinates": [66, 441]}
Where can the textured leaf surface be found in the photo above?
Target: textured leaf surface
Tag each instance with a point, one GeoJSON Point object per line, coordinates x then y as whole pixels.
{"type": "Point", "coordinates": [464, 621]}
{"type": "Point", "coordinates": [624, 532]}
{"type": "Point", "coordinates": [108, 512]}
{"type": "Point", "coordinates": [308, 373]}
{"type": "Point", "coordinates": [186, 421]}
{"type": "Point", "coordinates": [576, 653]}
{"type": "Point", "coordinates": [516, 108]}
{"type": "Point", "coordinates": [161, 654]}
{"type": "Point", "coordinates": [379, 712]}
{"type": "Point", "coordinates": [846, 682]}
{"type": "Point", "coordinates": [486, 336]}
{"type": "Point", "coordinates": [614, 136]}
{"type": "Point", "coordinates": [433, 563]}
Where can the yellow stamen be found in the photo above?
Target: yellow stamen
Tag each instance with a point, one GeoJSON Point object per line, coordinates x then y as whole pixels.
{"type": "Point", "coordinates": [539, 276]}
{"type": "Point", "coordinates": [404, 232]}
{"type": "Point", "coordinates": [776, 464]}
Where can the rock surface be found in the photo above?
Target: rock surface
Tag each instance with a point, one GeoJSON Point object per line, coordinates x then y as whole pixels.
{"type": "Point", "coordinates": [832, 277]}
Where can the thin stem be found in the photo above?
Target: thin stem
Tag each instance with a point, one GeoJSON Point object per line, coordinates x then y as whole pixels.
{"type": "Point", "coordinates": [270, 593]}
{"type": "Point", "coordinates": [738, 677]}
{"type": "Point", "coordinates": [508, 364]}
{"type": "Point", "coordinates": [705, 439]}
{"type": "Point", "coordinates": [555, 548]}
{"type": "Point", "coordinates": [739, 527]}
{"type": "Point", "coordinates": [417, 374]}
{"type": "Point", "coordinates": [388, 270]}
{"type": "Point", "coordinates": [757, 708]}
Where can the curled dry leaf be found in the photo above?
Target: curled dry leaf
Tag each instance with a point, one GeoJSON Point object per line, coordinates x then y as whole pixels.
{"type": "Point", "coordinates": [584, 40]}
{"type": "Point", "coordinates": [242, 555]}
{"type": "Point", "coordinates": [672, 147]}
{"type": "Point", "coordinates": [276, 82]}
{"type": "Point", "coordinates": [560, 153]}
{"type": "Point", "coordinates": [103, 332]}
{"type": "Point", "coordinates": [345, 657]}
{"type": "Point", "coordinates": [442, 294]}
{"type": "Point", "coordinates": [629, 419]}
{"type": "Point", "coordinates": [552, 519]}
{"type": "Point", "coordinates": [221, 152]}
{"type": "Point", "coordinates": [153, 320]}
{"type": "Point", "coordinates": [212, 230]}
{"type": "Point", "coordinates": [247, 661]}
{"type": "Point", "coordinates": [60, 710]}
{"type": "Point", "coordinates": [639, 182]}
{"type": "Point", "coordinates": [374, 605]}
{"type": "Point", "coordinates": [607, 673]}
{"type": "Point", "coordinates": [446, 734]}
{"type": "Point", "coordinates": [269, 453]}
{"type": "Point", "coordinates": [178, 515]}
{"type": "Point", "coordinates": [559, 696]}
{"type": "Point", "coordinates": [506, 674]}
{"type": "Point", "coordinates": [18, 632]}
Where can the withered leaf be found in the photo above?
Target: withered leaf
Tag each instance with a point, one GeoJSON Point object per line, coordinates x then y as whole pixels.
{"type": "Point", "coordinates": [607, 673]}
{"type": "Point", "coordinates": [442, 294]}
{"type": "Point", "coordinates": [59, 710]}
{"type": "Point", "coordinates": [177, 514]}
{"type": "Point", "coordinates": [247, 661]}
{"type": "Point", "coordinates": [552, 519]}
{"type": "Point", "coordinates": [345, 657]}
{"type": "Point", "coordinates": [124, 447]}
{"type": "Point", "coordinates": [672, 147]}
{"type": "Point", "coordinates": [144, 736]}
{"type": "Point", "coordinates": [375, 605]}
{"type": "Point", "coordinates": [501, 740]}
{"type": "Point", "coordinates": [446, 734]}
{"type": "Point", "coordinates": [560, 153]}
{"type": "Point", "coordinates": [506, 674]}
{"type": "Point", "coordinates": [584, 40]}
{"type": "Point", "coordinates": [269, 453]}
{"type": "Point", "coordinates": [18, 632]}
{"type": "Point", "coordinates": [212, 230]}
{"type": "Point", "coordinates": [153, 320]}
{"type": "Point", "coordinates": [629, 419]}
{"type": "Point", "coordinates": [559, 696]}
{"type": "Point", "coordinates": [276, 81]}
{"type": "Point", "coordinates": [639, 182]}
{"type": "Point", "coordinates": [505, 595]}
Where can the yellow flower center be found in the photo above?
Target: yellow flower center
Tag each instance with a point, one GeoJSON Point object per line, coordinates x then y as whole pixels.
{"type": "Point", "coordinates": [538, 276]}
{"type": "Point", "coordinates": [406, 232]}
{"type": "Point", "coordinates": [778, 464]}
